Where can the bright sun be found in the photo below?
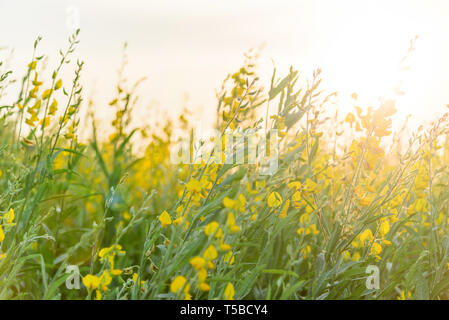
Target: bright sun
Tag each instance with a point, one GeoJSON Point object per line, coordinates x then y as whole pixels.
{"type": "Point", "coordinates": [366, 50]}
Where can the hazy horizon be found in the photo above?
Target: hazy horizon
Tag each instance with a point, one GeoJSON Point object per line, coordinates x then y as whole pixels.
{"type": "Point", "coordinates": [189, 47]}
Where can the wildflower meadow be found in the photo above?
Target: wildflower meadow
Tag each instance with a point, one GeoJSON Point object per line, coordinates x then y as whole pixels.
{"type": "Point", "coordinates": [284, 201]}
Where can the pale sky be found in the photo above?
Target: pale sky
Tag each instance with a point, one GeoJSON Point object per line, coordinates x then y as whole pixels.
{"type": "Point", "coordinates": [190, 46]}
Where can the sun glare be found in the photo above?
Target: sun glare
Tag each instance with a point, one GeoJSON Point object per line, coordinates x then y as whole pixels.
{"type": "Point", "coordinates": [366, 54]}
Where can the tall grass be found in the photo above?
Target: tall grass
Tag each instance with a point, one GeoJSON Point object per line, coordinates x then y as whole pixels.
{"type": "Point", "coordinates": [139, 226]}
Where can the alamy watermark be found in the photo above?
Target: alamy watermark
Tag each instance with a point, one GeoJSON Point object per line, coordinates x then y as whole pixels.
{"type": "Point", "coordinates": [373, 280]}
{"type": "Point", "coordinates": [72, 18]}
{"type": "Point", "coordinates": [73, 280]}
{"type": "Point", "coordinates": [253, 147]}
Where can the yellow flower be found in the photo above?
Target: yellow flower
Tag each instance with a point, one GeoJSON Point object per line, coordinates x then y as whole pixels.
{"type": "Point", "coordinates": [306, 250]}
{"type": "Point", "coordinates": [367, 200]}
{"type": "Point", "coordinates": [285, 209]}
{"type": "Point", "coordinates": [229, 292]}
{"type": "Point", "coordinates": [105, 280]}
{"type": "Point", "coordinates": [46, 93]}
{"type": "Point", "coordinates": [193, 185]}
{"type": "Point", "coordinates": [45, 122]}
{"type": "Point", "coordinates": [210, 253]}
{"type": "Point", "coordinates": [2, 234]}
{"type": "Point", "coordinates": [225, 247]}
{"type": "Point", "coordinates": [296, 185]}
{"type": "Point", "coordinates": [136, 277]}
{"type": "Point", "coordinates": [90, 207]}
{"type": "Point", "coordinates": [304, 218]}
{"type": "Point", "coordinates": [33, 92]}
{"type": "Point", "coordinates": [187, 295]}
{"type": "Point", "coordinates": [91, 282]}
{"type": "Point", "coordinates": [230, 221]}
{"type": "Point", "coordinates": [346, 255]}
{"type": "Point", "coordinates": [359, 192]}
{"type": "Point", "coordinates": [211, 228]}
{"type": "Point", "coordinates": [356, 257]}
{"type": "Point", "coordinates": [177, 284]}
{"type": "Point", "coordinates": [274, 200]}
{"type": "Point", "coordinates": [202, 275]}
{"type": "Point", "coordinates": [32, 65]}
{"type": "Point", "coordinates": [350, 118]}
{"type": "Point", "coordinates": [178, 221]}
{"type": "Point", "coordinates": [384, 227]}
{"type": "Point", "coordinates": [312, 229]}
{"type": "Point", "coordinates": [165, 219]}
{"type": "Point", "coordinates": [30, 122]}
{"type": "Point", "coordinates": [9, 216]}
{"type": "Point", "coordinates": [104, 252]}
{"type": "Point", "coordinates": [376, 249]}
{"type": "Point", "coordinates": [126, 215]}
{"type": "Point", "coordinates": [204, 286]}
{"type": "Point", "coordinates": [296, 196]}
{"type": "Point", "coordinates": [405, 296]}
{"type": "Point", "coordinates": [116, 272]}
{"type": "Point", "coordinates": [198, 262]}
{"type": "Point", "coordinates": [229, 203]}
{"type": "Point", "coordinates": [53, 107]}
{"type": "Point", "coordinates": [366, 235]}
{"type": "Point", "coordinates": [310, 186]}
{"type": "Point", "coordinates": [229, 258]}
{"type": "Point", "coordinates": [110, 251]}
{"type": "Point", "coordinates": [235, 229]}
{"type": "Point", "coordinates": [241, 203]}
{"type": "Point", "coordinates": [58, 84]}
